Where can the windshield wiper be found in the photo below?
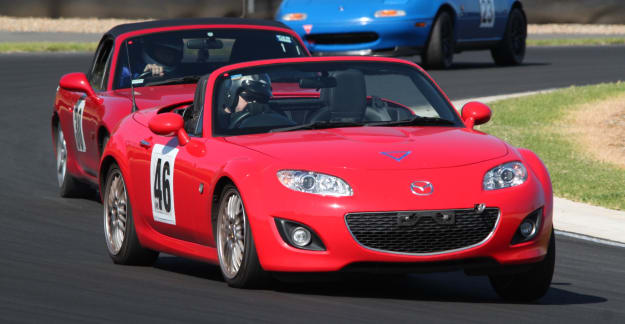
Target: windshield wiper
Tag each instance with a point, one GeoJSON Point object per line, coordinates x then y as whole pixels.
{"type": "Point", "coordinates": [416, 121]}
{"type": "Point", "coordinates": [184, 79]}
{"type": "Point", "coordinates": [317, 125]}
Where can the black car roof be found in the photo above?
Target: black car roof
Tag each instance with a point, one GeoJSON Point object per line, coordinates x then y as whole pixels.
{"type": "Point", "coordinates": [125, 28]}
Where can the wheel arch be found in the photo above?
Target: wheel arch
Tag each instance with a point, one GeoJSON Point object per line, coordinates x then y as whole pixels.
{"type": "Point", "coordinates": [223, 181]}
{"type": "Point", "coordinates": [518, 5]}
{"type": "Point", "coordinates": [106, 163]}
{"type": "Point", "coordinates": [103, 132]}
{"type": "Point", "coordinates": [55, 121]}
{"type": "Point", "coordinates": [445, 7]}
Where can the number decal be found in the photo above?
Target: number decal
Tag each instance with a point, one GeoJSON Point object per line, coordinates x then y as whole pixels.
{"type": "Point", "coordinates": [162, 184]}
{"type": "Point", "coordinates": [487, 13]}
{"type": "Point", "coordinates": [79, 138]}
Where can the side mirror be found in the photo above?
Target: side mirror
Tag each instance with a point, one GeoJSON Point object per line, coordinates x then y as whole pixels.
{"type": "Point", "coordinates": [169, 124]}
{"type": "Point", "coordinates": [77, 81]}
{"type": "Point", "coordinates": [475, 113]}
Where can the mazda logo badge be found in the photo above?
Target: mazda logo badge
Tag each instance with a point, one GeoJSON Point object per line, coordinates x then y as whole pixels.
{"type": "Point", "coordinates": [421, 188]}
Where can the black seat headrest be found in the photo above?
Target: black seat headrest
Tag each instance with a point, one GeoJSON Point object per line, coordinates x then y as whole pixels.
{"type": "Point", "coordinates": [348, 100]}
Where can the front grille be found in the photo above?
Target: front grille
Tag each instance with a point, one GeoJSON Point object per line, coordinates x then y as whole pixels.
{"type": "Point", "coordinates": [343, 38]}
{"type": "Point", "coordinates": [434, 231]}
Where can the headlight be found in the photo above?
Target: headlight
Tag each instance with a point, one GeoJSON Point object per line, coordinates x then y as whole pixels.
{"type": "Point", "coordinates": [315, 183]}
{"type": "Point", "coordinates": [294, 16]}
{"type": "Point", "coordinates": [504, 176]}
{"type": "Point", "coordinates": [389, 13]}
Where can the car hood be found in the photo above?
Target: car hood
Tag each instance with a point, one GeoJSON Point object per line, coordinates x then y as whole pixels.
{"type": "Point", "coordinates": [326, 11]}
{"type": "Point", "coordinates": [376, 148]}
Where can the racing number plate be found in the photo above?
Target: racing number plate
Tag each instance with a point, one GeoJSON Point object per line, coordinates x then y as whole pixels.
{"type": "Point", "coordinates": [162, 183]}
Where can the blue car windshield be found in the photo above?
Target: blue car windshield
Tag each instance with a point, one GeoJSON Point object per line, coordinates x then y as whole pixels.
{"type": "Point", "coordinates": [333, 94]}
{"type": "Point", "coordinates": [183, 56]}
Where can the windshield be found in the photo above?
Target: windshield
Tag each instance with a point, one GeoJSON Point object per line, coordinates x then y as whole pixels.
{"type": "Point", "coordinates": [315, 95]}
{"type": "Point", "coordinates": [183, 56]}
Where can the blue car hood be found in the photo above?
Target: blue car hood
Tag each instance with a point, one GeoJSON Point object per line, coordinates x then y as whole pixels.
{"type": "Point", "coordinates": [343, 10]}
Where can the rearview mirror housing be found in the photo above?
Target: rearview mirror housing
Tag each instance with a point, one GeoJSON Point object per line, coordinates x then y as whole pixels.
{"type": "Point", "coordinates": [169, 124]}
{"type": "Point", "coordinates": [205, 43]}
{"type": "Point", "coordinates": [77, 81]}
{"type": "Point", "coordinates": [475, 113]}
{"type": "Point", "coordinates": [320, 82]}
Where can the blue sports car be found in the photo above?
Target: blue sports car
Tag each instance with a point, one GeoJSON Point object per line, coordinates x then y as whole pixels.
{"type": "Point", "coordinates": [436, 29]}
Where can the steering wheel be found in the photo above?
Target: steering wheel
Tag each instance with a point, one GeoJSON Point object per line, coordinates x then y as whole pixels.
{"type": "Point", "coordinates": [236, 122]}
{"type": "Point", "coordinates": [147, 74]}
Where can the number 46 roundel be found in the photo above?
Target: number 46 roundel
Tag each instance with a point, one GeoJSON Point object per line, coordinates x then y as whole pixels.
{"type": "Point", "coordinates": [162, 183]}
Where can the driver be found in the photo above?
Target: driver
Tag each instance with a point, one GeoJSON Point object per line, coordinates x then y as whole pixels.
{"type": "Point", "coordinates": [246, 95]}
{"type": "Point", "coordinates": [159, 56]}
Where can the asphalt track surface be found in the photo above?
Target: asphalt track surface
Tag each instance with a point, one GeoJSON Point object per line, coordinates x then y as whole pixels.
{"type": "Point", "coordinates": [54, 266]}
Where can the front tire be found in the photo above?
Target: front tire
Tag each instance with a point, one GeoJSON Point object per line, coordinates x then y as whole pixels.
{"type": "Point", "coordinates": [439, 52]}
{"type": "Point", "coordinates": [235, 244]}
{"type": "Point", "coordinates": [119, 229]}
{"type": "Point", "coordinates": [68, 185]}
{"type": "Point", "coordinates": [530, 285]}
{"type": "Point", "coordinates": [511, 49]}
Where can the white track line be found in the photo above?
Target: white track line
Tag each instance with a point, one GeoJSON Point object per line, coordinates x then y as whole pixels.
{"type": "Point", "coordinates": [590, 239]}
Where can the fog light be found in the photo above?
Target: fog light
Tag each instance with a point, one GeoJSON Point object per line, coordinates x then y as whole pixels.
{"type": "Point", "coordinates": [527, 228]}
{"type": "Point", "coordinates": [301, 236]}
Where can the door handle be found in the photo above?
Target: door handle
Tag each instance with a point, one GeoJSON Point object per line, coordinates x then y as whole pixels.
{"type": "Point", "coordinates": [145, 144]}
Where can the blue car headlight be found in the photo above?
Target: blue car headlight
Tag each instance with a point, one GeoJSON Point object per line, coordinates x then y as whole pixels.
{"type": "Point", "coordinates": [315, 183]}
{"type": "Point", "coordinates": [504, 176]}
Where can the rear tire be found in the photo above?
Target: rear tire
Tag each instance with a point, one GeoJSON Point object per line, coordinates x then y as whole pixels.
{"type": "Point", "coordinates": [511, 49]}
{"type": "Point", "coordinates": [530, 285]}
{"type": "Point", "coordinates": [439, 52]}
{"type": "Point", "coordinates": [236, 250]}
{"type": "Point", "coordinates": [119, 228]}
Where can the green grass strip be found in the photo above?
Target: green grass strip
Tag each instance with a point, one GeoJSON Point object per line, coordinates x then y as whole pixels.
{"type": "Point", "coordinates": [600, 41]}
{"type": "Point", "coordinates": [18, 47]}
{"type": "Point", "coordinates": [532, 122]}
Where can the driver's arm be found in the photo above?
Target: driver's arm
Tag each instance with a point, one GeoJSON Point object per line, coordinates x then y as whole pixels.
{"type": "Point", "coordinates": [155, 69]}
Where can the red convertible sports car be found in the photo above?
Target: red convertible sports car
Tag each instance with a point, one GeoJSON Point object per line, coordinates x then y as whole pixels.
{"type": "Point", "coordinates": [162, 61]}
{"type": "Point", "coordinates": [327, 164]}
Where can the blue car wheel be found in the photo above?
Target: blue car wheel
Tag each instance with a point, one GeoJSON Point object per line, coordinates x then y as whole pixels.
{"type": "Point", "coordinates": [511, 49]}
{"type": "Point", "coordinates": [440, 48]}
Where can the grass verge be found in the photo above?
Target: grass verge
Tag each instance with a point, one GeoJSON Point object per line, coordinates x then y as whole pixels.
{"type": "Point", "coordinates": [537, 123]}
{"type": "Point", "coordinates": [600, 41]}
{"type": "Point", "coordinates": [24, 47]}
{"type": "Point", "coordinates": [18, 47]}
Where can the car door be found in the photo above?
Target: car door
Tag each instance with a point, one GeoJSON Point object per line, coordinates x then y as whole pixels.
{"type": "Point", "coordinates": [87, 111]}
{"type": "Point", "coordinates": [480, 19]}
{"type": "Point", "coordinates": [172, 192]}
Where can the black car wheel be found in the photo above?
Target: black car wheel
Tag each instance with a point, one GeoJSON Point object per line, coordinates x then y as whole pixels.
{"type": "Point", "coordinates": [440, 48]}
{"type": "Point", "coordinates": [511, 49]}
{"type": "Point", "coordinates": [235, 244]}
{"type": "Point", "coordinates": [530, 285]}
{"type": "Point", "coordinates": [68, 185]}
{"type": "Point", "coordinates": [119, 229]}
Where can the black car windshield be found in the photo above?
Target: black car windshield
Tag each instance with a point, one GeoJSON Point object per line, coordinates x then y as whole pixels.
{"type": "Point", "coordinates": [316, 95]}
{"type": "Point", "coordinates": [183, 56]}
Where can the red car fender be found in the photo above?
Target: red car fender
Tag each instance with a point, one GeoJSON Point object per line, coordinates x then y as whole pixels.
{"type": "Point", "coordinates": [111, 117]}
{"type": "Point", "coordinates": [245, 174]}
{"type": "Point", "coordinates": [62, 106]}
{"type": "Point", "coordinates": [540, 170]}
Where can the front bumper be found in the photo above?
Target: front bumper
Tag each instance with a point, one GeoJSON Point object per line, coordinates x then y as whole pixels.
{"type": "Point", "coordinates": [326, 217]}
{"type": "Point", "coordinates": [393, 36]}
